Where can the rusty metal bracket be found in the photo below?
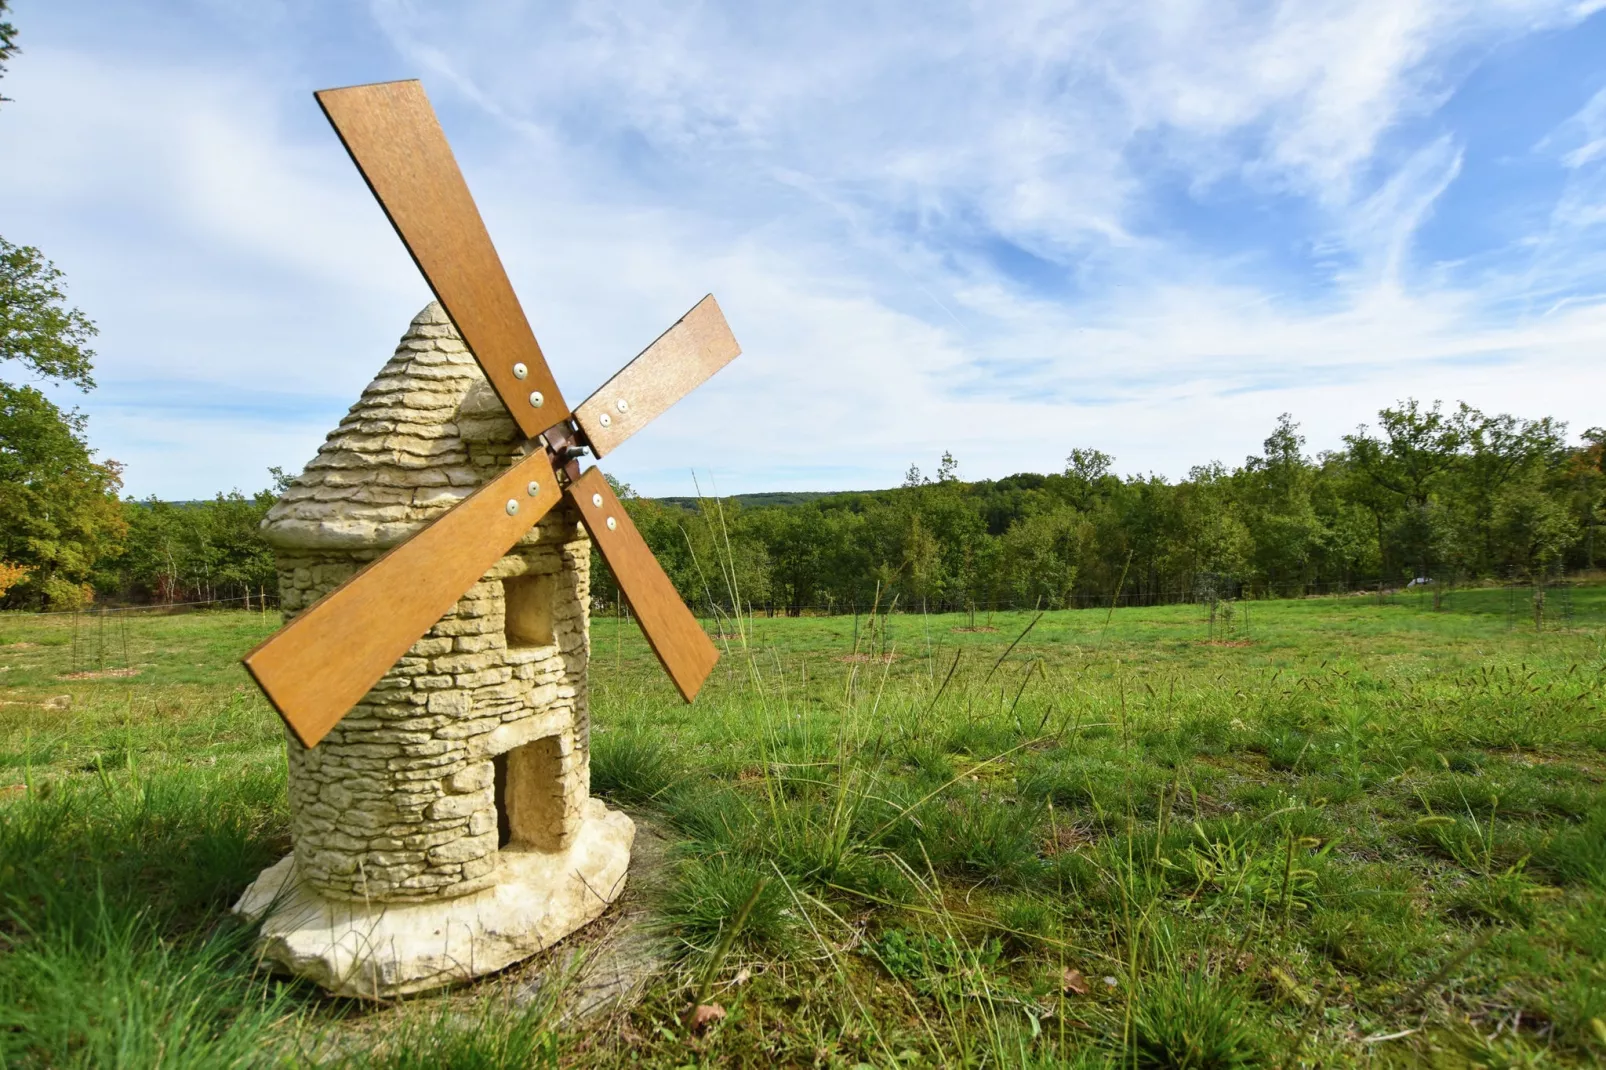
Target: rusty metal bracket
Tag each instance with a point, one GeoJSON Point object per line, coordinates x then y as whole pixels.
{"type": "Point", "coordinates": [564, 446]}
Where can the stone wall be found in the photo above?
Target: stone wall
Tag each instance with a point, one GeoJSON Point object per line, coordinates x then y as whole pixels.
{"type": "Point", "coordinates": [398, 801]}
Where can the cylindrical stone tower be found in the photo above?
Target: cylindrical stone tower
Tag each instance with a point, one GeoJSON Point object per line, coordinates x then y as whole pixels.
{"type": "Point", "coordinates": [468, 762]}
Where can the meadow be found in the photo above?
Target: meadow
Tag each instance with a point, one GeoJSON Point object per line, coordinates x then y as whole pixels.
{"type": "Point", "coordinates": [1317, 832]}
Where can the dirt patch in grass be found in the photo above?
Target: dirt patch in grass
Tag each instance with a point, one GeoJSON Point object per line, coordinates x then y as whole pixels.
{"type": "Point", "coordinates": [1072, 836]}
{"type": "Point", "coordinates": [99, 674]}
{"type": "Point", "coordinates": [883, 659]}
{"type": "Point", "coordinates": [1226, 642]}
{"type": "Point", "coordinates": [973, 631]}
{"type": "Point", "coordinates": [19, 646]}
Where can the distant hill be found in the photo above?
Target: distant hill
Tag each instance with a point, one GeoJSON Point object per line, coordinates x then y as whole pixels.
{"type": "Point", "coordinates": [758, 501]}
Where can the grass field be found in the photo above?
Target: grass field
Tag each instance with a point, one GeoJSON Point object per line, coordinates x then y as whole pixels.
{"type": "Point", "coordinates": [1341, 833]}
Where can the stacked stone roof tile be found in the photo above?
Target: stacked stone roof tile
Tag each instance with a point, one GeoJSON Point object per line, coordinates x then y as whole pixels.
{"type": "Point", "coordinates": [425, 433]}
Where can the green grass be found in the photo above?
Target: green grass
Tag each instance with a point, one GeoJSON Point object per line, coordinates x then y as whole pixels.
{"type": "Point", "coordinates": [1363, 833]}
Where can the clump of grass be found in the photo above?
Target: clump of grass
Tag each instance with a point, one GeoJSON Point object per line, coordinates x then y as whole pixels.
{"type": "Point", "coordinates": [1577, 853]}
{"type": "Point", "coordinates": [964, 834]}
{"type": "Point", "coordinates": [1506, 897]}
{"type": "Point", "coordinates": [633, 766]}
{"type": "Point", "coordinates": [1109, 784]}
{"type": "Point", "coordinates": [1368, 946]}
{"type": "Point", "coordinates": [707, 895]}
{"type": "Point", "coordinates": [1192, 1020]}
{"type": "Point", "coordinates": [1026, 921]}
{"type": "Point", "coordinates": [930, 762]}
{"type": "Point", "coordinates": [112, 990]}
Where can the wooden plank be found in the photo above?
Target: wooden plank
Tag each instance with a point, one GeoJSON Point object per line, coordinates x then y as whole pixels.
{"type": "Point", "coordinates": [319, 665]}
{"type": "Point", "coordinates": [685, 650]}
{"type": "Point", "coordinates": [392, 134]}
{"type": "Point", "coordinates": [696, 347]}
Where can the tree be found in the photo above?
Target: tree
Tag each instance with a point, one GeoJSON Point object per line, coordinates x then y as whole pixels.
{"type": "Point", "coordinates": [1497, 450]}
{"type": "Point", "coordinates": [1533, 529]}
{"type": "Point", "coordinates": [11, 575]}
{"type": "Point", "coordinates": [59, 512]}
{"type": "Point", "coordinates": [1586, 472]}
{"type": "Point", "coordinates": [36, 326]}
{"type": "Point", "coordinates": [1040, 557]}
{"type": "Point", "coordinates": [1286, 531]}
{"type": "Point", "coordinates": [8, 48]}
{"type": "Point", "coordinates": [195, 550]}
{"type": "Point", "coordinates": [1407, 461]}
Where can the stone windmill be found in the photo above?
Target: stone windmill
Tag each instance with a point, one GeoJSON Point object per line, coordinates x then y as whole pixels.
{"type": "Point", "coordinates": [434, 566]}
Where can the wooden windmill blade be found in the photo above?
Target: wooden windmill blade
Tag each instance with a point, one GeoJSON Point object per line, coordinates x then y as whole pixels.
{"type": "Point", "coordinates": [319, 665]}
{"type": "Point", "coordinates": [393, 137]}
{"type": "Point", "coordinates": [682, 646]}
{"type": "Point", "coordinates": [678, 361]}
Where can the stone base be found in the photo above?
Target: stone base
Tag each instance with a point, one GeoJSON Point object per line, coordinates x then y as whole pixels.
{"type": "Point", "coordinates": [382, 950]}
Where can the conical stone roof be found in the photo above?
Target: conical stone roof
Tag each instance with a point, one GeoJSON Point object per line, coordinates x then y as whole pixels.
{"type": "Point", "coordinates": [424, 435]}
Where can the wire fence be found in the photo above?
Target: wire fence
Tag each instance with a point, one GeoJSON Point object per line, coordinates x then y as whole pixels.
{"type": "Point", "coordinates": [1547, 599]}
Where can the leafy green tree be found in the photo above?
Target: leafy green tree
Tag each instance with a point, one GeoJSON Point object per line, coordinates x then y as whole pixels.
{"type": "Point", "coordinates": [1496, 450]}
{"type": "Point", "coordinates": [1213, 537]}
{"type": "Point", "coordinates": [8, 41]}
{"type": "Point", "coordinates": [58, 507]}
{"type": "Point", "coordinates": [1407, 461]}
{"type": "Point", "coordinates": [59, 513]}
{"type": "Point", "coordinates": [1041, 555]}
{"type": "Point", "coordinates": [37, 328]}
{"type": "Point", "coordinates": [1088, 478]}
{"type": "Point", "coordinates": [1533, 529]}
{"type": "Point", "coordinates": [194, 551]}
{"type": "Point", "coordinates": [1585, 478]}
{"type": "Point", "coordinates": [1285, 530]}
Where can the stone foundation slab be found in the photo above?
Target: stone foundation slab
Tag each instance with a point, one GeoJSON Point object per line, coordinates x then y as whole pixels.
{"type": "Point", "coordinates": [383, 950]}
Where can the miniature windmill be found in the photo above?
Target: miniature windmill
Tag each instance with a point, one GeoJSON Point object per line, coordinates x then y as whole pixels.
{"type": "Point", "coordinates": [445, 829]}
{"type": "Point", "coordinates": [320, 664]}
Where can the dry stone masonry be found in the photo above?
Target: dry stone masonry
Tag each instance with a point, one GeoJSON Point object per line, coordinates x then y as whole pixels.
{"type": "Point", "coordinates": [462, 776]}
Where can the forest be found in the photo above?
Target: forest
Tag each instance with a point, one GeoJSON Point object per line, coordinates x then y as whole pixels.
{"type": "Point", "coordinates": [1449, 495]}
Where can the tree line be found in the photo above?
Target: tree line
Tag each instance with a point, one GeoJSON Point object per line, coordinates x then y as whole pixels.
{"type": "Point", "coordinates": [1449, 495]}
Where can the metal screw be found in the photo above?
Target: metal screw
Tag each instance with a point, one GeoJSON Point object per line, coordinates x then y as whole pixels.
{"type": "Point", "coordinates": [612, 523]}
{"type": "Point", "coordinates": [533, 489]}
{"type": "Point", "coordinates": [622, 405]}
{"type": "Point", "coordinates": [520, 371]}
{"type": "Point", "coordinates": [512, 506]}
{"type": "Point", "coordinates": [605, 420]}
{"type": "Point", "coordinates": [536, 399]}
{"type": "Point", "coordinates": [596, 500]}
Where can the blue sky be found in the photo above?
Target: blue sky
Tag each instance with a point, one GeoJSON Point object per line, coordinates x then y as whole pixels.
{"type": "Point", "coordinates": [1003, 230]}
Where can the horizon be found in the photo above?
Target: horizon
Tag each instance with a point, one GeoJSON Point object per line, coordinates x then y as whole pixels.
{"type": "Point", "coordinates": [1144, 231]}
